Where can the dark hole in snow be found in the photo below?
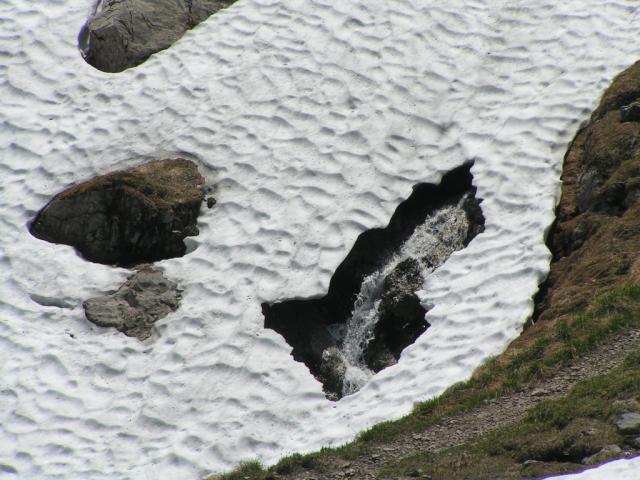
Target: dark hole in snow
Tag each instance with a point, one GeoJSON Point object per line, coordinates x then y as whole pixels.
{"type": "Point", "coordinates": [371, 312]}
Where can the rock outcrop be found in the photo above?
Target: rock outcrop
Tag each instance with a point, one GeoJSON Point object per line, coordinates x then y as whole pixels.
{"type": "Point", "coordinates": [124, 33]}
{"type": "Point", "coordinates": [596, 231]}
{"type": "Point", "coordinates": [400, 315]}
{"type": "Point", "coordinates": [629, 423]}
{"type": "Point", "coordinates": [145, 297]}
{"type": "Point", "coordinates": [128, 217]}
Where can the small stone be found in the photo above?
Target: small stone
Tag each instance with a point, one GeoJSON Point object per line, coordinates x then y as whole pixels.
{"type": "Point", "coordinates": [332, 369]}
{"type": "Point", "coordinates": [634, 442]}
{"type": "Point", "coordinates": [630, 113]}
{"type": "Point", "coordinates": [415, 473]}
{"type": "Point", "coordinates": [607, 453]}
{"type": "Point", "coordinates": [211, 202]}
{"type": "Point", "coordinates": [629, 423]}
{"type": "Point", "coordinates": [144, 298]}
{"type": "Point", "coordinates": [540, 392]}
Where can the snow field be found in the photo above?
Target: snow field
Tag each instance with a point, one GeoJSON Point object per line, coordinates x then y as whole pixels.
{"type": "Point", "coordinates": [313, 119]}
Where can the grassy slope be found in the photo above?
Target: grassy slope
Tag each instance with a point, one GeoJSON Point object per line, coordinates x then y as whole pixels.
{"type": "Point", "coordinates": [553, 438]}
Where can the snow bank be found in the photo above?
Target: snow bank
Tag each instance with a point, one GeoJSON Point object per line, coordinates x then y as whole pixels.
{"type": "Point", "coordinates": [313, 118]}
{"type": "Point", "coordinates": [618, 470]}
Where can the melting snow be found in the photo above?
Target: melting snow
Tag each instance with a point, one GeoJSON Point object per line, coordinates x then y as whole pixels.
{"type": "Point", "coordinates": [313, 118]}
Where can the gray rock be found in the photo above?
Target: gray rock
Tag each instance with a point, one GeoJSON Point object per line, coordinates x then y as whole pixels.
{"type": "Point", "coordinates": [630, 113]}
{"type": "Point", "coordinates": [607, 453]}
{"type": "Point", "coordinates": [144, 298]}
{"type": "Point", "coordinates": [401, 316]}
{"type": "Point", "coordinates": [634, 442]}
{"type": "Point", "coordinates": [128, 217]}
{"type": "Point", "coordinates": [332, 370]}
{"type": "Point", "coordinates": [629, 423]}
{"type": "Point", "coordinates": [124, 33]}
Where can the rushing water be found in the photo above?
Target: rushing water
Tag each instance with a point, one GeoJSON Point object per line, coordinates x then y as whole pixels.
{"type": "Point", "coordinates": [442, 233]}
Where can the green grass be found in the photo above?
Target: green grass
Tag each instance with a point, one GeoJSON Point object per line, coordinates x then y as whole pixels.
{"type": "Point", "coordinates": [252, 469]}
{"type": "Point", "coordinates": [553, 437]}
{"type": "Point", "coordinates": [611, 313]}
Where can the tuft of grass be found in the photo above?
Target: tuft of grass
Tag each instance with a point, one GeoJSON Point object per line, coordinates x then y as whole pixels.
{"type": "Point", "coordinates": [248, 470]}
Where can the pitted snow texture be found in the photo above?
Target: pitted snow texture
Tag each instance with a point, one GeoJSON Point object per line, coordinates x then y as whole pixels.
{"type": "Point", "coordinates": [314, 118]}
{"type": "Point", "coordinates": [617, 470]}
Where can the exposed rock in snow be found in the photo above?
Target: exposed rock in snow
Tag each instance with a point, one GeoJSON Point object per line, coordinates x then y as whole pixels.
{"type": "Point", "coordinates": [371, 312]}
{"type": "Point", "coordinates": [127, 217]}
{"type": "Point", "coordinates": [332, 371]}
{"type": "Point", "coordinates": [124, 33]}
{"type": "Point", "coordinates": [144, 298]}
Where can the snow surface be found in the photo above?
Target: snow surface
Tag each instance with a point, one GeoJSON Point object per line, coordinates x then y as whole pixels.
{"type": "Point", "coordinates": [313, 119]}
{"type": "Point", "coordinates": [628, 469]}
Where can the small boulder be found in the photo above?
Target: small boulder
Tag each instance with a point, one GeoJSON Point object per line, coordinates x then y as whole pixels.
{"type": "Point", "coordinates": [630, 113]}
{"type": "Point", "coordinates": [607, 453]}
{"type": "Point", "coordinates": [144, 298]}
{"type": "Point", "coordinates": [634, 442]}
{"type": "Point", "coordinates": [332, 370]}
{"type": "Point", "coordinates": [629, 423]}
{"type": "Point", "coordinates": [400, 315]}
{"type": "Point", "coordinates": [127, 217]}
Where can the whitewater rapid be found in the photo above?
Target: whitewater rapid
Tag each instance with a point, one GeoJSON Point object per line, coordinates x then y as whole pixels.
{"type": "Point", "coordinates": [442, 233]}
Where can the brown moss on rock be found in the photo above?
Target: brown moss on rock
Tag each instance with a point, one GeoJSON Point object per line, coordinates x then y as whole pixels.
{"type": "Point", "coordinates": [597, 234]}
{"type": "Point", "coordinates": [623, 90]}
{"type": "Point", "coordinates": [127, 217]}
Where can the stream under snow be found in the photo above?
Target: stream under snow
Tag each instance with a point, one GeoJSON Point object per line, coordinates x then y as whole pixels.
{"type": "Point", "coordinates": [432, 243]}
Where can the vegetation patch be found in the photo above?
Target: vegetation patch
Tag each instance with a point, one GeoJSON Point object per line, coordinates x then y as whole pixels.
{"type": "Point", "coordinates": [554, 437]}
